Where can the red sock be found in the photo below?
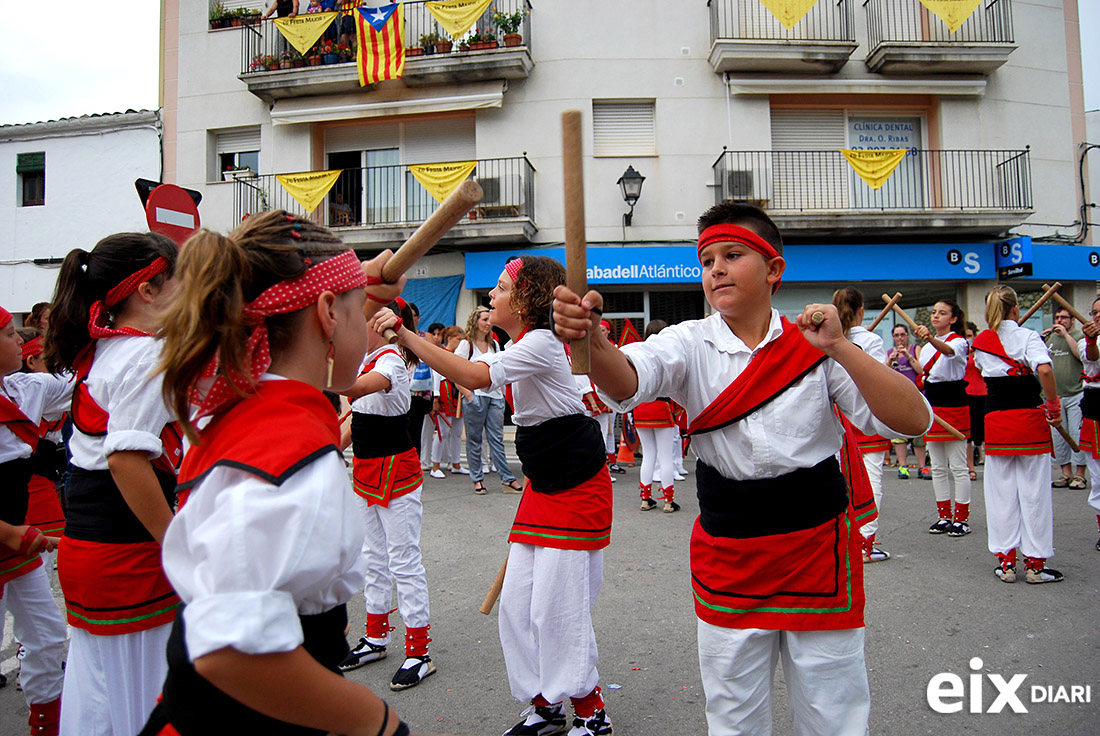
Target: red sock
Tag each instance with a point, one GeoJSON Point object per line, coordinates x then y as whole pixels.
{"type": "Point", "coordinates": [962, 511]}
{"type": "Point", "coordinates": [540, 701]}
{"type": "Point", "coordinates": [416, 641]}
{"type": "Point", "coordinates": [646, 491]}
{"type": "Point", "coordinates": [610, 458]}
{"type": "Point", "coordinates": [668, 493]}
{"type": "Point", "coordinates": [378, 625]}
{"type": "Point", "coordinates": [1034, 563]}
{"type": "Point", "coordinates": [869, 543]}
{"type": "Point", "coordinates": [944, 508]}
{"type": "Point", "coordinates": [1007, 559]}
{"type": "Point", "coordinates": [587, 706]}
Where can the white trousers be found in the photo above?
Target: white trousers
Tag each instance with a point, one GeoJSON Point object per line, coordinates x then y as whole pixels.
{"type": "Point", "coordinates": [546, 621]}
{"type": "Point", "coordinates": [1018, 507]}
{"type": "Point", "coordinates": [391, 549]}
{"type": "Point", "coordinates": [112, 682]}
{"type": "Point", "coordinates": [677, 452]}
{"type": "Point", "coordinates": [949, 459]}
{"type": "Point", "coordinates": [873, 462]}
{"type": "Point", "coordinates": [824, 670]}
{"type": "Point", "coordinates": [427, 441]}
{"type": "Point", "coordinates": [606, 430]}
{"type": "Point", "coordinates": [609, 435]}
{"type": "Point", "coordinates": [657, 454]}
{"type": "Point", "coordinates": [1071, 420]}
{"type": "Point", "coordinates": [38, 625]}
{"type": "Point", "coordinates": [445, 448]}
{"type": "Point", "coordinates": [1094, 489]}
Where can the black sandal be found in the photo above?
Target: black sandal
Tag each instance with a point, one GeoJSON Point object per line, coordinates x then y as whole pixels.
{"type": "Point", "coordinates": [479, 488]}
{"type": "Point", "coordinates": [512, 486]}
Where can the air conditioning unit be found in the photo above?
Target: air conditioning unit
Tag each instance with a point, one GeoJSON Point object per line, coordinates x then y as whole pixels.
{"type": "Point", "coordinates": [490, 189]}
{"type": "Point", "coordinates": [502, 196]}
{"type": "Point", "coordinates": [739, 185]}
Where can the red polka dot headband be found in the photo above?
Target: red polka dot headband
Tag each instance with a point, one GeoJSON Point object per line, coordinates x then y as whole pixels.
{"type": "Point", "coordinates": [512, 268]}
{"type": "Point", "coordinates": [337, 274]}
{"type": "Point", "coordinates": [97, 315]}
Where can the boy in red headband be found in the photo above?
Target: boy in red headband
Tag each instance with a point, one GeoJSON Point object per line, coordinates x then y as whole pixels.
{"type": "Point", "coordinates": [759, 393]}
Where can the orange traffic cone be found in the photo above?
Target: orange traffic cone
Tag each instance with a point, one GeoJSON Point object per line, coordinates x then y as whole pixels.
{"type": "Point", "coordinates": [625, 456]}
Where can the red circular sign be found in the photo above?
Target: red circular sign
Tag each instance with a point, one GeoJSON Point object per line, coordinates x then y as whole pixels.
{"type": "Point", "coordinates": [171, 211]}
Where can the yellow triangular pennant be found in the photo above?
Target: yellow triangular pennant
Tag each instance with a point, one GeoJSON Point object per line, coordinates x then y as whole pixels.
{"type": "Point", "coordinates": [788, 12]}
{"type": "Point", "coordinates": [457, 16]}
{"type": "Point", "coordinates": [302, 31]}
{"type": "Point", "coordinates": [875, 167]}
{"type": "Point", "coordinates": [952, 12]}
{"type": "Point", "coordinates": [310, 187]}
{"type": "Point", "coordinates": [442, 179]}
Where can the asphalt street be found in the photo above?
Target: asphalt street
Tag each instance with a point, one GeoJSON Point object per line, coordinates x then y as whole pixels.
{"type": "Point", "coordinates": [931, 609]}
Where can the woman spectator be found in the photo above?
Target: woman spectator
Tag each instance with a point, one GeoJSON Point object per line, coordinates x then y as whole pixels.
{"type": "Point", "coordinates": [484, 412]}
{"type": "Point", "coordinates": [903, 359]}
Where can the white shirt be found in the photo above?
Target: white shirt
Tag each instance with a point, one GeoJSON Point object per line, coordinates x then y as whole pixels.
{"type": "Point", "coordinates": [1088, 367]}
{"type": "Point", "coordinates": [393, 402]}
{"type": "Point", "coordinates": [1020, 343]}
{"type": "Point", "coordinates": [123, 383]}
{"type": "Point", "coordinates": [469, 351]}
{"type": "Point", "coordinates": [692, 362]}
{"type": "Point", "coordinates": [39, 396]}
{"type": "Point", "coordinates": [542, 381]}
{"type": "Point", "coordinates": [947, 367]}
{"type": "Point", "coordinates": [869, 342]}
{"type": "Point", "coordinates": [248, 557]}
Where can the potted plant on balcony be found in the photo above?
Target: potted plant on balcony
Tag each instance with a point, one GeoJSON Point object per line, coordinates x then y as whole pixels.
{"type": "Point", "coordinates": [286, 61]}
{"type": "Point", "coordinates": [249, 16]}
{"type": "Point", "coordinates": [480, 40]}
{"type": "Point", "coordinates": [219, 16]}
{"type": "Point", "coordinates": [271, 62]}
{"type": "Point", "coordinates": [443, 45]}
{"type": "Point", "coordinates": [428, 41]}
{"type": "Point", "coordinates": [234, 17]}
{"type": "Point", "coordinates": [232, 173]}
{"type": "Point", "coordinates": [329, 53]}
{"type": "Point", "coordinates": [509, 24]}
{"type": "Point", "coordinates": [346, 53]}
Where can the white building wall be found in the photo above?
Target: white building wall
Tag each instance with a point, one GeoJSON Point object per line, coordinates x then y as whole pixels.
{"type": "Point", "coordinates": [89, 194]}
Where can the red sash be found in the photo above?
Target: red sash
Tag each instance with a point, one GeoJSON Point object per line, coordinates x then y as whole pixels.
{"type": "Point", "coordinates": [989, 342]}
{"type": "Point", "coordinates": [13, 565]}
{"type": "Point", "coordinates": [1013, 431]}
{"type": "Point", "coordinates": [871, 442]}
{"type": "Point", "coordinates": [379, 479]}
{"type": "Point", "coordinates": [936, 352]}
{"type": "Point", "coordinates": [18, 422]}
{"type": "Point", "coordinates": [654, 414]}
{"type": "Point", "coordinates": [776, 367]}
{"type": "Point", "coordinates": [957, 416]}
{"type": "Point", "coordinates": [592, 401]}
{"type": "Point", "coordinates": [44, 507]}
{"type": "Point", "coordinates": [574, 518]}
{"type": "Point", "coordinates": [1090, 430]}
{"type": "Point", "coordinates": [370, 366]}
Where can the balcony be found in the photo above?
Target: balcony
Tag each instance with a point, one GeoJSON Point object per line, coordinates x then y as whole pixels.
{"type": "Point", "coordinates": [746, 37]}
{"type": "Point", "coordinates": [904, 38]}
{"type": "Point", "coordinates": [814, 194]}
{"type": "Point", "coordinates": [380, 206]}
{"type": "Point", "coordinates": [273, 69]}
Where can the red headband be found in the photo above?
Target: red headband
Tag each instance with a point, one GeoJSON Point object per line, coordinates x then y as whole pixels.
{"type": "Point", "coordinates": [32, 347]}
{"type": "Point", "coordinates": [727, 233]}
{"type": "Point", "coordinates": [513, 267]}
{"type": "Point", "coordinates": [97, 315]}
{"type": "Point", "coordinates": [401, 304]}
{"type": "Point", "coordinates": [338, 274]}
{"type": "Point", "coordinates": [605, 323]}
{"type": "Point", "coordinates": [5, 317]}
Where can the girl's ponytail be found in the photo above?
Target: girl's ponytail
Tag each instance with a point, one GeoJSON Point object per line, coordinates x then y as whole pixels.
{"type": "Point", "coordinates": [998, 303]}
{"type": "Point", "coordinates": [68, 334]}
{"type": "Point", "coordinates": [848, 302]}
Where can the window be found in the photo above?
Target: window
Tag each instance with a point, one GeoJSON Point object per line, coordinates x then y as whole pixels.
{"type": "Point", "coordinates": [30, 170]}
{"type": "Point", "coordinates": [236, 149]}
{"type": "Point", "coordinates": [624, 128]}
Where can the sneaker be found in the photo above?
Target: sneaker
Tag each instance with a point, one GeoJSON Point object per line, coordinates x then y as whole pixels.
{"type": "Point", "coordinates": [1046, 575]}
{"type": "Point", "coordinates": [539, 720]}
{"type": "Point", "coordinates": [412, 672]}
{"type": "Point", "coordinates": [940, 526]}
{"type": "Point", "coordinates": [958, 529]}
{"type": "Point", "coordinates": [613, 479]}
{"type": "Point", "coordinates": [903, 472]}
{"type": "Point", "coordinates": [364, 653]}
{"type": "Point", "coordinates": [679, 477]}
{"type": "Point", "coordinates": [671, 507]}
{"type": "Point", "coordinates": [459, 471]}
{"type": "Point", "coordinates": [616, 468]}
{"type": "Point", "coordinates": [1077, 483]}
{"type": "Point", "coordinates": [437, 473]}
{"type": "Point", "coordinates": [1060, 482]}
{"type": "Point", "coordinates": [598, 725]}
{"type": "Point", "coordinates": [648, 503]}
{"type": "Point", "coordinates": [925, 474]}
{"type": "Point", "coordinates": [1006, 573]}
{"type": "Point", "coordinates": [877, 554]}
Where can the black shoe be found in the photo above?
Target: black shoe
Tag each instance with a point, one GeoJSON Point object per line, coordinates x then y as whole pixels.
{"type": "Point", "coordinates": [540, 720]}
{"type": "Point", "coordinates": [616, 468]}
{"type": "Point", "coordinates": [671, 507]}
{"type": "Point", "coordinates": [958, 529]}
{"type": "Point", "coordinates": [364, 653]}
{"type": "Point", "coordinates": [940, 526]}
{"type": "Point", "coordinates": [598, 725]}
{"type": "Point", "coordinates": [648, 503]}
{"type": "Point", "coordinates": [412, 672]}
{"type": "Point", "coordinates": [1046, 575]}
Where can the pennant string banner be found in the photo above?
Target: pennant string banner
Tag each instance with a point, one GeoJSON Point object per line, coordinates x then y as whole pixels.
{"type": "Point", "coordinates": [442, 179]}
{"type": "Point", "coordinates": [380, 34]}
{"type": "Point", "coordinates": [875, 167]}
{"type": "Point", "coordinates": [788, 12]}
{"type": "Point", "coordinates": [309, 188]}
{"type": "Point", "coordinates": [302, 31]}
{"type": "Point", "coordinates": [458, 16]}
{"type": "Point", "coordinates": [952, 12]}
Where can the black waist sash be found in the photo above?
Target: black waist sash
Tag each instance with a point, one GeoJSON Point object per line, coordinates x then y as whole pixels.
{"type": "Point", "coordinates": [377, 436]}
{"type": "Point", "coordinates": [1012, 392]}
{"type": "Point", "coordinates": [1090, 404]}
{"type": "Point", "coordinates": [15, 475]}
{"type": "Point", "coordinates": [801, 499]}
{"type": "Point", "coordinates": [95, 510]}
{"type": "Point", "coordinates": [560, 453]}
{"type": "Point", "coordinates": [946, 393]}
{"type": "Point", "coordinates": [194, 707]}
{"type": "Point", "coordinates": [49, 460]}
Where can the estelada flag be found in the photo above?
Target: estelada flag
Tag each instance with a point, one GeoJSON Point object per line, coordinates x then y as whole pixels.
{"type": "Point", "coordinates": [380, 33]}
{"type": "Point", "coordinates": [629, 334]}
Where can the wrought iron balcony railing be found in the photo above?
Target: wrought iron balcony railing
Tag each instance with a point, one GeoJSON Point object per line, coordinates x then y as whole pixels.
{"type": "Point", "coordinates": [390, 196]}
{"type": "Point", "coordinates": [828, 20]}
{"type": "Point", "coordinates": [263, 47]}
{"type": "Point", "coordinates": [904, 21]}
{"type": "Point", "coordinates": [933, 181]}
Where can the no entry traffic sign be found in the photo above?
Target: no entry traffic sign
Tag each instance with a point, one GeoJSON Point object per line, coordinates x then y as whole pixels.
{"type": "Point", "coordinates": [171, 211]}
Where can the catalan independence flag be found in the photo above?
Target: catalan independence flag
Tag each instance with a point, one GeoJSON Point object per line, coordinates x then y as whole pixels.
{"type": "Point", "coordinates": [381, 37]}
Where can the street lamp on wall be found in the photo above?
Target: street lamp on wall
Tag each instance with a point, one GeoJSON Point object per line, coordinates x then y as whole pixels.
{"type": "Point", "coordinates": [631, 184]}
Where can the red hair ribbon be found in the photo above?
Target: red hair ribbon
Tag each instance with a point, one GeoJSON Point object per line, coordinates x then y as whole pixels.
{"type": "Point", "coordinates": [512, 268]}
{"type": "Point", "coordinates": [337, 274]}
{"type": "Point", "coordinates": [5, 317]}
{"type": "Point", "coordinates": [32, 347]}
{"type": "Point", "coordinates": [400, 303]}
{"type": "Point", "coordinates": [97, 315]}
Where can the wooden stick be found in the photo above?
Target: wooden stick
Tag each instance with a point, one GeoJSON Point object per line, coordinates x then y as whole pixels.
{"type": "Point", "coordinates": [430, 232]}
{"type": "Point", "coordinates": [951, 430]}
{"type": "Point", "coordinates": [817, 318]}
{"type": "Point", "coordinates": [1042, 300]}
{"type": "Point", "coordinates": [1069, 440]}
{"type": "Point", "coordinates": [1069, 308]}
{"type": "Point", "coordinates": [889, 307]}
{"type": "Point", "coordinates": [576, 269]}
{"type": "Point", "coordinates": [901, 312]}
{"type": "Point", "coordinates": [494, 590]}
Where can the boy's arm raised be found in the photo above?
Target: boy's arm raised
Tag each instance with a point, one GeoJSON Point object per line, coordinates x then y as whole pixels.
{"type": "Point", "coordinates": [608, 368]}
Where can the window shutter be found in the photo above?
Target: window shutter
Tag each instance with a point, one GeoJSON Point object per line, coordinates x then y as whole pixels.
{"type": "Point", "coordinates": [807, 168]}
{"type": "Point", "coordinates": [236, 141]}
{"type": "Point", "coordinates": [624, 128]}
{"type": "Point", "coordinates": [433, 141]}
{"type": "Point", "coordinates": [30, 163]}
{"type": "Point", "coordinates": [362, 138]}
{"type": "Point", "coordinates": [808, 130]}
